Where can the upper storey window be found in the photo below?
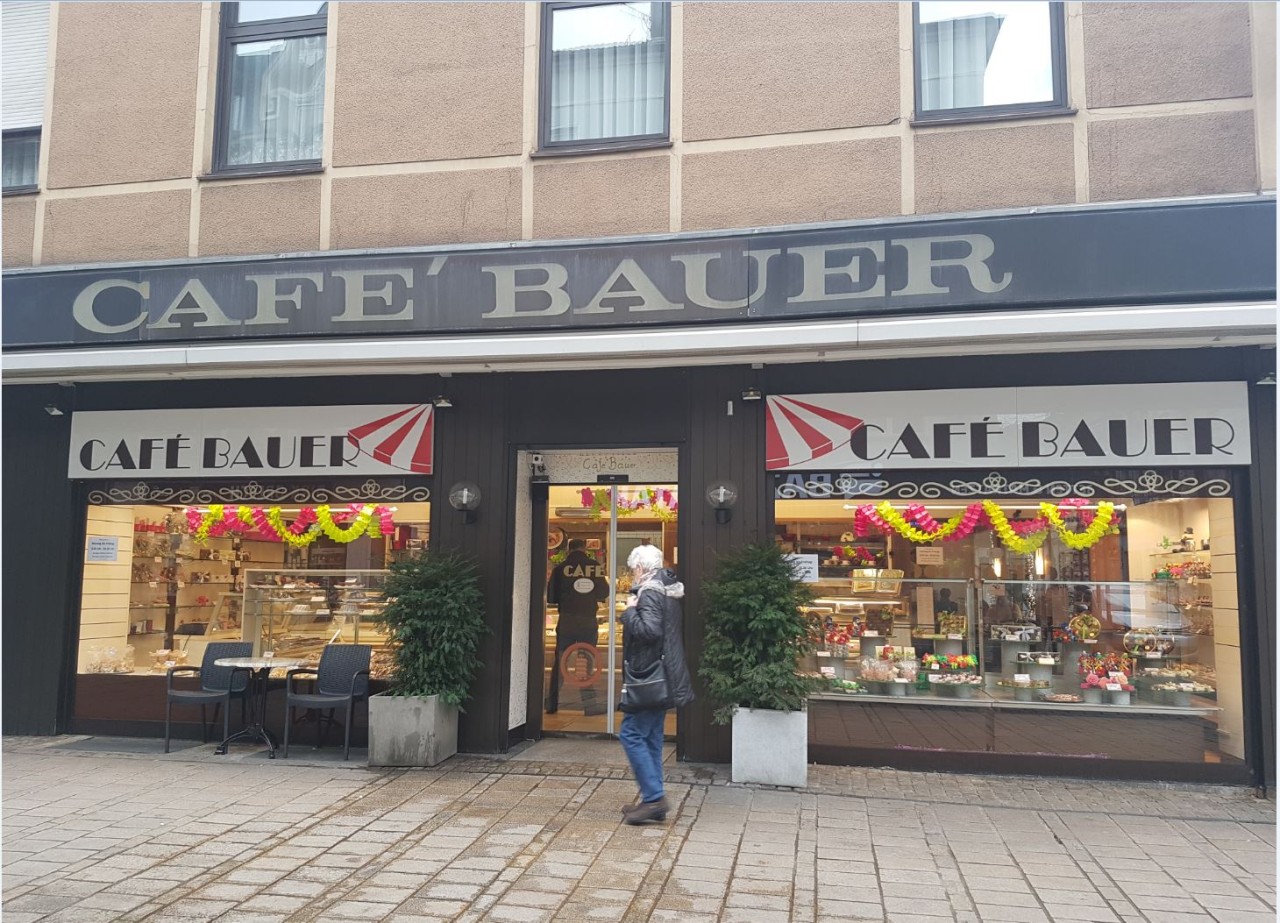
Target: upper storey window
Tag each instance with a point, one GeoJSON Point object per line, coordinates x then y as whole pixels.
{"type": "Point", "coordinates": [988, 59]}
{"type": "Point", "coordinates": [23, 62]}
{"type": "Point", "coordinates": [604, 75]}
{"type": "Point", "coordinates": [271, 86]}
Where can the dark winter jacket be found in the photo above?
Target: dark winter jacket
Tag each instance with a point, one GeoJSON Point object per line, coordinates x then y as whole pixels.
{"type": "Point", "coordinates": [652, 628]}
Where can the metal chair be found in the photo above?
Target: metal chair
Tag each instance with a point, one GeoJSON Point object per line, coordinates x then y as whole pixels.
{"type": "Point", "coordinates": [218, 686]}
{"type": "Point", "coordinates": [341, 680]}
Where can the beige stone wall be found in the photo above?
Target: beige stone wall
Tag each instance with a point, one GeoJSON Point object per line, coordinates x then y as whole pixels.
{"type": "Point", "coordinates": [770, 68]}
{"type": "Point", "coordinates": [124, 93]}
{"type": "Point", "coordinates": [137, 226]}
{"type": "Point", "coordinates": [597, 198]}
{"type": "Point", "coordinates": [17, 230]}
{"type": "Point", "coordinates": [995, 167]}
{"type": "Point", "coordinates": [419, 209]}
{"type": "Point", "coordinates": [427, 81]}
{"type": "Point", "coordinates": [781, 113]}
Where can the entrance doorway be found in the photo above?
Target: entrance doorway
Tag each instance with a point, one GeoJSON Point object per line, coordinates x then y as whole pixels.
{"type": "Point", "coordinates": [591, 529]}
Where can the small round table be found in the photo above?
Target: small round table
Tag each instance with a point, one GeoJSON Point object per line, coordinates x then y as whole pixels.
{"type": "Point", "coordinates": [260, 672]}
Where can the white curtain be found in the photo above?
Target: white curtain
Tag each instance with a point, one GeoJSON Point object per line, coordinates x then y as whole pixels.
{"type": "Point", "coordinates": [610, 91]}
{"type": "Point", "coordinates": [953, 60]}
{"type": "Point", "coordinates": [277, 101]}
{"type": "Point", "coordinates": [21, 160]}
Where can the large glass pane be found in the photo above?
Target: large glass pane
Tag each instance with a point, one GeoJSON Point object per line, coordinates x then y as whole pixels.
{"type": "Point", "coordinates": [262, 10]}
{"type": "Point", "coordinates": [582, 566]}
{"type": "Point", "coordinates": [21, 159]}
{"type": "Point", "coordinates": [983, 54]}
{"type": "Point", "coordinates": [608, 72]}
{"type": "Point", "coordinates": [1124, 648]}
{"type": "Point", "coordinates": [276, 106]}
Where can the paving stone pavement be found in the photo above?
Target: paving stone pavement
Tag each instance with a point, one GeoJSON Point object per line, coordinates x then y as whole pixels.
{"type": "Point", "coordinates": [117, 835]}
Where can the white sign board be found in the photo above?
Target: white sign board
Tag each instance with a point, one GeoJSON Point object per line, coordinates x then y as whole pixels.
{"type": "Point", "coordinates": [1204, 423]}
{"type": "Point", "coordinates": [805, 567]}
{"type": "Point", "coordinates": [639, 466]}
{"type": "Point", "coordinates": [103, 549]}
{"type": "Point", "coordinates": [253, 442]}
{"type": "Point", "coordinates": [926, 555]}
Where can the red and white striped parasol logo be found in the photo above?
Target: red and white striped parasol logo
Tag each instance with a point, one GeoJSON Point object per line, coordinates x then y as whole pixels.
{"type": "Point", "coordinates": [403, 439]}
{"type": "Point", "coordinates": [797, 432]}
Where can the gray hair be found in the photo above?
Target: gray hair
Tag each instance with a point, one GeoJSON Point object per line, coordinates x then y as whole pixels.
{"type": "Point", "coordinates": [646, 558]}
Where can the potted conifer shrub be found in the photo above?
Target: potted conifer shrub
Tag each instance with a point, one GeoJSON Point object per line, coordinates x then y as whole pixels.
{"type": "Point", "coordinates": [434, 620]}
{"type": "Point", "coordinates": [755, 635]}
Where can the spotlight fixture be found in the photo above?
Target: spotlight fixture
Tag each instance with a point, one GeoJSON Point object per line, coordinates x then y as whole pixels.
{"type": "Point", "coordinates": [1267, 379]}
{"type": "Point", "coordinates": [752, 394]}
{"type": "Point", "coordinates": [441, 401]}
{"type": "Point", "coordinates": [54, 410]}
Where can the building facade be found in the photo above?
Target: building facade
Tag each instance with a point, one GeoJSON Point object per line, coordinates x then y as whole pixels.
{"type": "Point", "coordinates": [695, 274]}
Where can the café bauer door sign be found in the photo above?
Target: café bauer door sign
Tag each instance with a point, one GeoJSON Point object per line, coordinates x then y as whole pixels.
{"type": "Point", "coordinates": [228, 442]}
{"type": "Point", "coordinates": [1205, 423]}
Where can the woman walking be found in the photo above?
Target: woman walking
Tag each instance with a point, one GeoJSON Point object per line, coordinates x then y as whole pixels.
{"type": "Point", "coordinates": [655, 676]}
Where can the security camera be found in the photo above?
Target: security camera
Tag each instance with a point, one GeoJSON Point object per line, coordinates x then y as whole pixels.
{"type": "Point", "coordinates": [537, 459]}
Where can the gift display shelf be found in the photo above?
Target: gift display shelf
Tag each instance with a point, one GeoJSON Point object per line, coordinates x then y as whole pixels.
{"type": "Point", "coordinates": [982, 698]}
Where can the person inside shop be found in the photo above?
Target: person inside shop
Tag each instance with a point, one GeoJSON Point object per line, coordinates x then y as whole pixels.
{"type": "Point", "coordinates": [576, 587]}
{"type": "Point", "coordinates": [943, 604]}
{"type": "Point", "coordinates": [655, 676]}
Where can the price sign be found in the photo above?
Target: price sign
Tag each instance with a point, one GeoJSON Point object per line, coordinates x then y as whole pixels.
{"type": "Point", "coordinates": [103, 549]}
{"type": "Point", "coordinates": [1045, 661]}
{"type": "Point", "coordinates": [1022, 677]}
{"type": "Point", "coordinates": [928, 555]}
{"type": "Point", "coordinates": [804, 566]}
{"type": "Point", "coordinates": [1113, 687]}
{"type": "Point", "coordinates": [955, 637]}
{"type": "Point", "coordinates": [152, 584]}
{"type": "Point", "coordinates": [829, 672]}
{"type": "Point", "coordinates": [871, 634]}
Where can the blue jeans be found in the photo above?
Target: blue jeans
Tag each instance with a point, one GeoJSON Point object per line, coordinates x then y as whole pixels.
{"type": "Point", "coordinates": [641, 736]}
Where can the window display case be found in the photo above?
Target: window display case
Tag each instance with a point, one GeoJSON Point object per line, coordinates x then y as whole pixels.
{"type": "Point", "coordinates": [295, 613]}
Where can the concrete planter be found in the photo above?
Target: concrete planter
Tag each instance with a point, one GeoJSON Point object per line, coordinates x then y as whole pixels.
{"type": "Point", "coordinates": [771, 747]}
{"type": "Point", "coordinates": [411, 730]}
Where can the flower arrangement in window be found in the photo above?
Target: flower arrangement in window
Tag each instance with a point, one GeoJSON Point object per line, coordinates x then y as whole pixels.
{"type": "Point", "coordinates": [1103, 665]}
{"type": "Point", "coordinates": [857, 555]}
{"type": "Point", "coordinates": [950, 663]}
{"type": "Point", "coordinates": [662, 502]}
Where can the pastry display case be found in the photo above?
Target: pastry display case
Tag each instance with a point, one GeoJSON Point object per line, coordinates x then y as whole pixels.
{"type": "Point", "coordinates": [296, 612]}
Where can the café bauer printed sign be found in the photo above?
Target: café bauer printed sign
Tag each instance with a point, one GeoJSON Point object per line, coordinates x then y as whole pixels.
{"type": "Point", "coordinates": [1086, 426]}
{"type": "Point", "coordinates": [229, 442]}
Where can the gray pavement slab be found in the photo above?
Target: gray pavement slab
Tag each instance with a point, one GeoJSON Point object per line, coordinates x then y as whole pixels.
{"type": "Point", "coordinates": [95, 829]}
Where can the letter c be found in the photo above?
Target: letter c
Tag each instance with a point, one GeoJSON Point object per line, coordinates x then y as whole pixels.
{"type": "Point", "coordinates": [82, 307]}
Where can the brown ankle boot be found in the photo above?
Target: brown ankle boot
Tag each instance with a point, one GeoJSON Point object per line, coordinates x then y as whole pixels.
{"type": "Point", "coordinates": [646, 811]}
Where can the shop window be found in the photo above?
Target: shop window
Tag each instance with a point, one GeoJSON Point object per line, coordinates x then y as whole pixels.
{"type": "Point", "coordinates": [604, 75]}
{"type": "Point", "coordinates": [1123, 644]}
{"type": "Point", "coordinates": [987, 59]}
{"type": "Point", "coordinates": [271, 86]}
{"type": "Point", "coordinates": [155, 591]}
{"type": "Point", "coordinates": [21, 160]}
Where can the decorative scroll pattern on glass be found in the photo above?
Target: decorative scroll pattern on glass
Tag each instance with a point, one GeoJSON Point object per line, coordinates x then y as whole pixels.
{"type": "Point", "coordinates": [849, 486]}
{"type": "Point", "coordinates": [255, 492]}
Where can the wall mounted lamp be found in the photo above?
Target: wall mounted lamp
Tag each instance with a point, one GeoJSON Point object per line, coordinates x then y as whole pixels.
{"type": "Point", "coordinates": [722, 495]}
{"type": "Point", "coordinates": [465, 498]}
{"type": "Point", "coordinates": [440, 401]}
{"type": "Point", "coordinates": [752, 394]}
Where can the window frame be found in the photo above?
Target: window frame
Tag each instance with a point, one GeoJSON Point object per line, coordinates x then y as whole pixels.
{"type": "Point", "coordinates": [548, 147]}
{"type": "Point", "coordinates": [1059, 105]}
{"type": "Point", "coordinates": [231, 33]}
{"type": "Point", "coordinates": [9, 134]}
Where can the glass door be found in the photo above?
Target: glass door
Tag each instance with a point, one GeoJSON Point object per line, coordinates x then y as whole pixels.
{"type": "Point", "coordinates": [591, 529]}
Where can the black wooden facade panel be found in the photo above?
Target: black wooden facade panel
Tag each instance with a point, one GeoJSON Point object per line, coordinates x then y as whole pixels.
{"type": "Point", "coordinates": [471, 446]}
{"type": "Point", "coordinates": [39, 559]}
{"type": "Point", "coordinates": [1262, 535]}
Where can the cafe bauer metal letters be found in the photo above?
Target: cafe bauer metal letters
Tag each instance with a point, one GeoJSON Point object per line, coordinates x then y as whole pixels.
{"type": "Point", "coordinates": [1024, 459]}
